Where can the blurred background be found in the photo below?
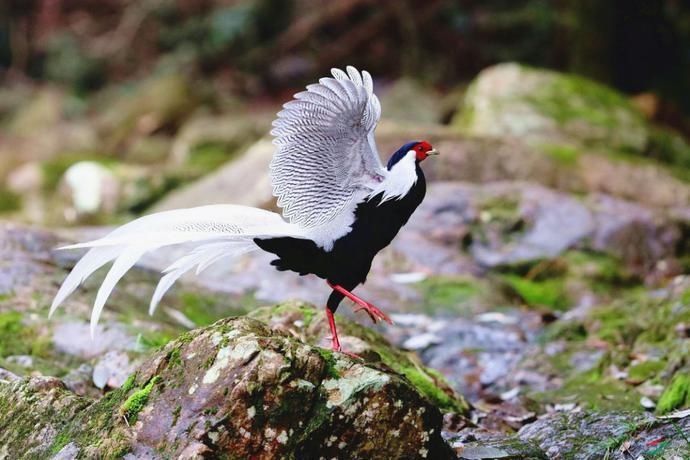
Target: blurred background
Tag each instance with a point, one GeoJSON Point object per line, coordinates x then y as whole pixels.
{"type": "Point", "coordinates": [545, 271]}
{"type": "Point", "coordinates": [160, 92]}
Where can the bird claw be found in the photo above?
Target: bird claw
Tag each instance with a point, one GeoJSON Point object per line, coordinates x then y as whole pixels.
{"type": "Point", "coordinates": [374, 313]}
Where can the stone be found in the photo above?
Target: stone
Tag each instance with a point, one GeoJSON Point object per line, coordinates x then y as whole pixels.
{"type": "Point", "coordinates": [614, 435]}
{"type": "Point", "coordinates": [236, 387]}
{"type": "Point", "coordinates": [547, 107]}
{"type": "Point", "coordinates": [91, 189]}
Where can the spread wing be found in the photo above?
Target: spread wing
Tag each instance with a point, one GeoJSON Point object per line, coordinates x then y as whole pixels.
{"type": "Point", "coordinates": [326, 149]}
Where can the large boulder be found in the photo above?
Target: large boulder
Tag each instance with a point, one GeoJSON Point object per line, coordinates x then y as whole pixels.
{"type": "Point", "coordinates": [543, 106]}
{"type": "Point", "coordinates": [235, 389]}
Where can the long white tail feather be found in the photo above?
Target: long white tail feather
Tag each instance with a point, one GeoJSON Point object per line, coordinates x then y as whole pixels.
{"type": "Point", "coordinates": [201, 257]}
{"type": "Point", "coordinates": [89, 263]}
{"type": "Point", "coordinates": [215, 232]}
{"type": "Point", "coordinates": [122, 264]}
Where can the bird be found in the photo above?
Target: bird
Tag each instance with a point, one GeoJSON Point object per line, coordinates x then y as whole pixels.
{"type": "Point", "coordinates": [340, 205]}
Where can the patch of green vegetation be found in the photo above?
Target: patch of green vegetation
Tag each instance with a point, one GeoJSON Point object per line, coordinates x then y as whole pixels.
{"type": "Point", "coordinates": [9, 201]}
{"type": "Point", "coordinates": [595, 392]}
{"type": "Point", "coordinates": [676, 395]}
{"type": "Point", "coordinates": [500, 207]}
{"type": "Point", "coordinates": [449, 294]}
{"type": "Point", "coordinates": [329, 361]}
{"type": "Point", "coordinates": [204, 309]}
{"type": "Point", "coordinates": [646, 370]}
{"type": "Point", "coordinates": [668, 147]}
{"type": "Point", "coordinates": [549, 293]}
{"type": "Point", "coordinates": [153, 340]}
{"type": "Point", "coordinates": [571, 98]}
{"type": "Point", "coordinates": [18, 339]}
{"type": "Point", "coordinates": [136, 401]}
{"type": "Point", "coordinates": [565, 154]}
{"type": "Point", "coordinates": [129, 383]}
{"type": "Point", "coordinates": [208, 156]}
{"type": "Point", "coordinates": [600, 270]}
{"type": "Point", "coordinates": [572, 331]}
{"type": "Point", "coordinates": [60, 441]}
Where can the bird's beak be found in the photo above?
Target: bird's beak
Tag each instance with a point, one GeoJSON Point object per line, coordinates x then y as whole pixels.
{"type": "Point", "coordinates": [433, 152]}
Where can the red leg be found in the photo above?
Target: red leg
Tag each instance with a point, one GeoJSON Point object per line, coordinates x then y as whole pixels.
{"type": "Point", "coordinates": [373, 312]}
{"type": "Point", "coordinates": [335, 343]}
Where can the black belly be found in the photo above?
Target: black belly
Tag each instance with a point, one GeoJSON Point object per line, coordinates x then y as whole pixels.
{"type": "Point", "coordinates": [348, 263]}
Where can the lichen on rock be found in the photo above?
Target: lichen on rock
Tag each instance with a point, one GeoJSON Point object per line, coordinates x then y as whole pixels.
{"type": "Point", "coordinates": [236, 388]}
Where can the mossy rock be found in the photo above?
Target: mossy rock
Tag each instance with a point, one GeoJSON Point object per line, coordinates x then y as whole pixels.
{"type": "Point", "coordinates": [235, 389]}
{"type": "Point", "coordinates": [547, 107]}
{"type": "Point", "coordinates": [310, 325]}
{"type": "Point", "coordinates": [628, 344]}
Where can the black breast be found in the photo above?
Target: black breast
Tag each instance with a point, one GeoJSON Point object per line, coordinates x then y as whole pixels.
{"type": "Point", "coordinates": [348, 263]}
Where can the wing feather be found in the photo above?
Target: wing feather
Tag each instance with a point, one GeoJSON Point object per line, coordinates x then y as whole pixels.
{"type": "Point", "coordinates": [326, 156]}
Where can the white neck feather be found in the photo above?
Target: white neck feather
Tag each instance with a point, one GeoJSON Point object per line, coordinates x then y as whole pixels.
{"type": "Point", "coordinates": [400, 179]}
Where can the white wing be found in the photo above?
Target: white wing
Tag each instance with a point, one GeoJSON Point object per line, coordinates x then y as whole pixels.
{"type": "Point", "coordinates": [326, 150]}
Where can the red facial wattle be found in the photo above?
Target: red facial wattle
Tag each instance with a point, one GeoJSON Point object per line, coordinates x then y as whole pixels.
{"type": "Point", "coordinates": [422, 150]}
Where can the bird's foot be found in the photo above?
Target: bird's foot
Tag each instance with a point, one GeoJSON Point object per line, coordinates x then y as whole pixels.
{"type": "Point", "coordinates": [374, 313]}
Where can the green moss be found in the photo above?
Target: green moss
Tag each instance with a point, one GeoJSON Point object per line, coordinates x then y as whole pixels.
{"type": "Point", "coordinates": [152, 340]}
{"type": "Point", "coordinates": [9, 201]}
{"type": "Point", "coordinates": [425, 380]}
{"type": "Point", "coordinates": [204, 309]}
{"type": "Point", "coordinates": [449, 294]}
{"type": "Point", "coordinates": [550, 293]}
{"type": "Point", "coordinates": [60, 441]}
{"type": "Point", "coordinates": [668, 147]}
{"type": "Point", "coordinates": [18, 339]}
{"type": "Point", "coordinates": [176, 414]}
{"type": "Point", "coordinates": [646, 370]}
{"type": "Point", "coordinates": [136, 401]}
{"type": "Point", "coordinates": [331, 370]}
{"type": "Point", "coordinates": [676, 395]}
{"type": "Point", "coordinates": [570, 98]}
{"type": "Point", "coordinates": [565, 154]}
{"type": "Point", "coordinates": [603, 272]}
{"type": "Point", "coordinates": [129, 383]}
{"type": "Point", "coordinates": [208, 156]}
{"type": "Point", "coordinates": [593, 391]}
{"type": "Point", "coordinates": [175, 357]}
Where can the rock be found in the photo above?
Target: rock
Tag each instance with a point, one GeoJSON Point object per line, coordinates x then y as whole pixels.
{"type": "Point", "coordinates": [42, 111]}
{"type": "Point", "coordinates": [237, 388]}
{"type": "Point", "coordinates": [547, 107]}
{"type": "Point", "coordinates": [161, 101]}
{"type": "Point", "coordinates": [410, 101]}
{"type": "Point", "coordinates": [112, 369]}
{"type": "Point", "coordinates": [231, 131]}
{"type": "Point", "coordinates": [91, 189]}
{"type": "Point", "coordinates": [152, 149]}
{"type": "Point", "coordinates": [74, 338]}
{"type": "Point", "coordinates": [508, 223]}
{"type": "Point", "coordinates": [613, 435]}
{"type": "Point", "coordinates": [309, 325]}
